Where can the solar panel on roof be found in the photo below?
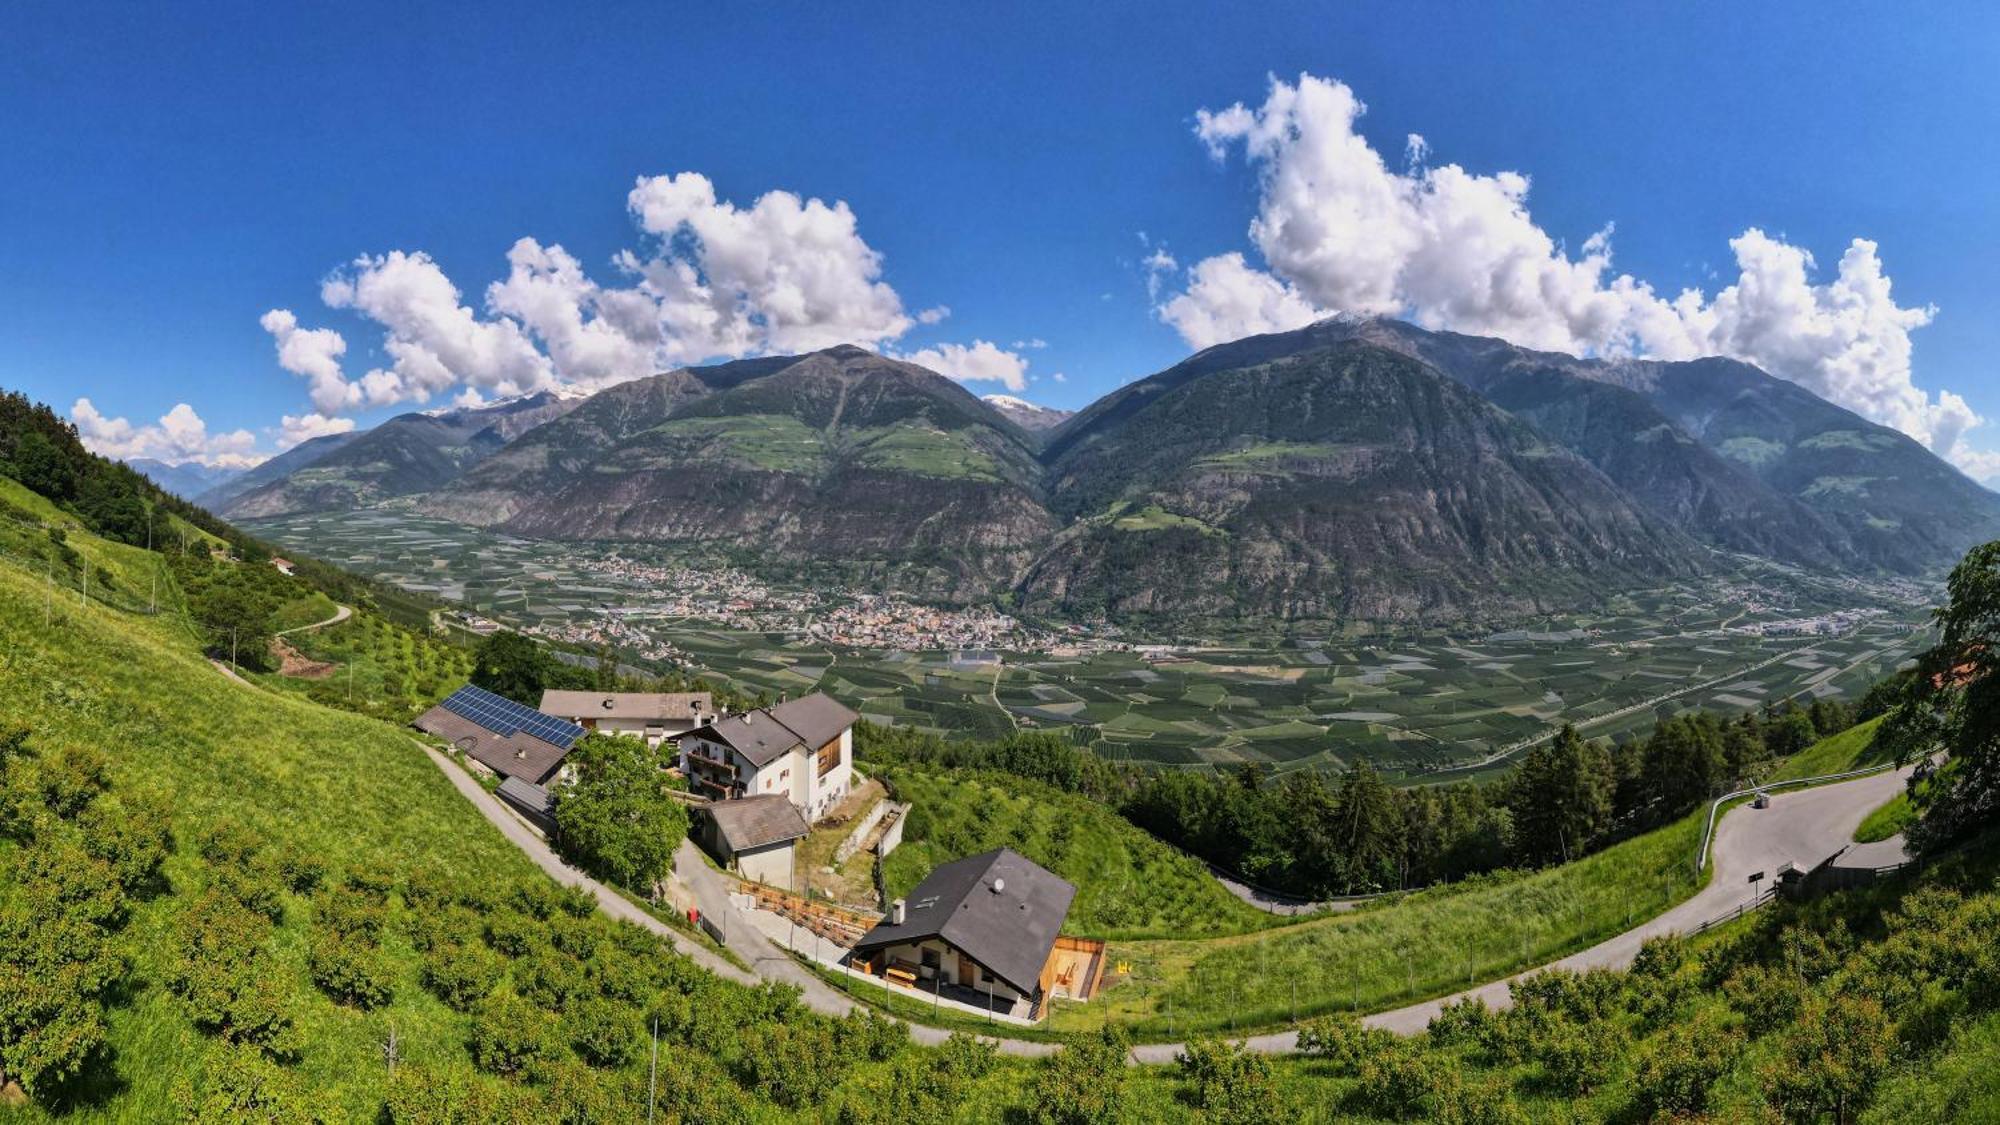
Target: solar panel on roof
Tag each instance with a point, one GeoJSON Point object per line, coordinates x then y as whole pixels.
{"type": "Point", "coordinates": [503, 716]}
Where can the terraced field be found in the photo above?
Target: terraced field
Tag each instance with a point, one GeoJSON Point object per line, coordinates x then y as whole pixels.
{"type": "Point", "coordinates": [1419, 706]}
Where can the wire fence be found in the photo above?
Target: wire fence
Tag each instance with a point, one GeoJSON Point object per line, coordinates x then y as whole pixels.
{"type": "Point", "coordinates": [84, 581]}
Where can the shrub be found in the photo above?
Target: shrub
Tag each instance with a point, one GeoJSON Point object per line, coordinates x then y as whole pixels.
{"type": "Point", "coordinates": [574, 936]}
{"type": "Point", "coordinates": [350, 913]}
{"type": "Point", "coordinates": [576, 902]}
{"type": "Point", "coordinates": [349, 969]}
{"type": "Point", "coordinates": [1676, 1070]}
{"type": "Point", "coordinates": [301, 870]}
{"type": "Point", "coordinates": [461, 976]}
{"type": "Point", "coordinates": [1084, 1083]}
{"type": "Point", "coordinates": [549, 980]}
{"type": "Point", "coordinates": [1577, 1059]}
{"type": "Point", "coordinates": [873, 1037]}
{"type": "Point", "coordinates": [374, 880]}
{"type": "Point", "coordinates": [1230, 1083]}
{"type": "Point", "coordinates": [795, 1064]}
{"type": "Point", "coordinates": [1345, 1044]}
{"type": "Point", "coordinates": [508, 1034]}
{"type": "Point", "coordinates": [132, 837]}
{"type": "Point", "coordinates": [511, 933]}
{"type": "Point", "coordinates": [1829, 1059]}
{"type": "Point", "coordinates": [603, 1032]}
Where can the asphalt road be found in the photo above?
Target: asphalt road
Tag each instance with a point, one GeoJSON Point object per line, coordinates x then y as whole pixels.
{"type": "Point", "coordinates": [1803, 827]}
{"type": "Point", "coordinates": [340, 614]}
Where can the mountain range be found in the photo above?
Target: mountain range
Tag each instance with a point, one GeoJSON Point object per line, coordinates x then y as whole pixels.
{"type": "Point", "coordinates": [1030, 416]}
{"type": "Point", "coordinates": [1355, 469]}
{"type": "Point", "coordinates": [186, 480]}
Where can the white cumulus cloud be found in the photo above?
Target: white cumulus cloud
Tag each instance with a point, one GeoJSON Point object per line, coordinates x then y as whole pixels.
{"type": "Point", "coordinates": [315, 354]}
{"type": "Point", "coordinates": [594, 336]}
{"type": "Point", "coordinates": [711, 279]}
{"type": "Point", "coordinates": [1340, 231]}
{"type": "Point", "coordinates": [434, 339]}
{"type": "Point", "coordinates": [293, 429]}
{"type": "Point", "coordinates": [982, 361]}
{"type": "Point", "coordinates": [179, 437]}
{"type": "Point", "coordinates": [784, 274]}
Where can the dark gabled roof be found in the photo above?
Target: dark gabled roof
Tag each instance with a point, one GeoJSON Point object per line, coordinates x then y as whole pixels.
{"type": "Point", "coordinates": [518, 754]}
{"type": "Point", "coordinates": [763, 735]}
{"type": "Point", "coordinates": [1009, 930]}
{"type": "Point", "coordinates": [817, 718]}
{"type": "Point", "coordinates": [748, 823]}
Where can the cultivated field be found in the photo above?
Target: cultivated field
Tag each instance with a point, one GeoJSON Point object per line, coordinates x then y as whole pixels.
{"type": "Point", "coordinates": [1420, 706]}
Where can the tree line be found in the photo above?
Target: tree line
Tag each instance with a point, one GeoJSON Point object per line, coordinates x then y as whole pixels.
{"type": "Point", "coordinates": [1316, 834]}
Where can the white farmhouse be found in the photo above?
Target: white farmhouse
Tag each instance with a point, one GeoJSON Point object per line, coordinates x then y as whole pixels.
{"type": "Point", "coordinates": [802, 750]}
{"type": "Point", "coordinates": [651, 715]}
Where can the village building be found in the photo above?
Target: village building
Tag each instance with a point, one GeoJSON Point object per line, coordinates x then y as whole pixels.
{"type": "Point", "coordinates": [652, 715]}
{"type": "Point", "coordinates": [535, 804]}
{"type": "Point", "coordinates": [802, 750]}
{"type": "Point", "coordinates": [985, 928]}
{"type": "Point", "coordinates": [501, 736]}
{"type": "Point", "coordinates": [756, 837]}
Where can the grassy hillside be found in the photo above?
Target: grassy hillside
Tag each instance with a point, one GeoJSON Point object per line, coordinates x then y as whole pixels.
{"type": "Point", "coordinates": [1425, 944]}
{"type": "Point", "coordinates": [371, 665]}
{"type": "Point", "coordinates": [1851, 749]}
{"type": "Point", "coordinates": [266, 791]}
{"type": "Point", "coordinates": [1128, 883]}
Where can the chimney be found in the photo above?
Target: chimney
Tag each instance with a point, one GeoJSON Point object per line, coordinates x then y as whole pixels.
{"type": "Point", "coordinates": [896, 912]}
{"type": "Point", "coordinates": [999, 885]}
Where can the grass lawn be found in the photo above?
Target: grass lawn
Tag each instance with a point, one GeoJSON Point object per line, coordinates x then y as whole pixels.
{"type": "Point", "coordinates": [1887, 821]}
{"type": "Point", "coordinates": [1427, 944]}
{"type": "Point", "coordinates": [1851, 749]}
{"type": "Point", "coordinates": [1129, 884]}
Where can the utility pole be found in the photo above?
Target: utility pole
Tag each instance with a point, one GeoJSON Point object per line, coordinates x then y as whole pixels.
{"type": "Point", "coordinates": [232, 646]}
{"type": "Point", "coordinates": [653, 1072]}
{"type": "Point", "coordinates": [49, 612]}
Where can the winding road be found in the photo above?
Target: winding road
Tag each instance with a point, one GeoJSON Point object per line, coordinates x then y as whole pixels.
{"type": "Point", "coordinates": [1803, 827]}
{"type": "Point", "coordinates": [340, 614]}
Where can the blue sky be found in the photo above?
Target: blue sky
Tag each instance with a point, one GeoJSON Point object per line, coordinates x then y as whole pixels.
{"type": "Point", "coordinates": [166, 182]}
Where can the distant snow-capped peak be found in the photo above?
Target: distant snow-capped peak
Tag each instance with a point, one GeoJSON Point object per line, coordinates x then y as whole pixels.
{"type": "Point", "coordinates": [1015, 403]}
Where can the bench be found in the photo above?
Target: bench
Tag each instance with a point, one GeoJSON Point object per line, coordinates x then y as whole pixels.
{"type": "Point", "coordinates": [901, 972]}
